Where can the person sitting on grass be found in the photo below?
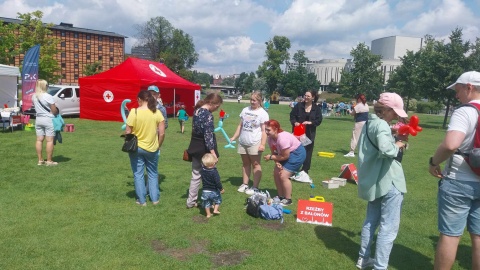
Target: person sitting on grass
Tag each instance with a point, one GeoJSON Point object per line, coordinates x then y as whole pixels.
{"type": "Point", "coordinates": [212, 187]}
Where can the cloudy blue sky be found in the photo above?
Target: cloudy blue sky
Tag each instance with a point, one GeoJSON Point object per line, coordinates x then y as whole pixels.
{"type": "Point", "coordinates": [230, 35]}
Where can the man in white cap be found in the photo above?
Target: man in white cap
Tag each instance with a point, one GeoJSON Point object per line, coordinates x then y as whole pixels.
{"type": "Point", "coordinates": [156, 93]}
{"type": "Point", "coordinates": [459, 186]}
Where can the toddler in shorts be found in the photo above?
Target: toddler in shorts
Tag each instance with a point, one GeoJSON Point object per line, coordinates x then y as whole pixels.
{"type": "Point", "coordinates": [212, 187]}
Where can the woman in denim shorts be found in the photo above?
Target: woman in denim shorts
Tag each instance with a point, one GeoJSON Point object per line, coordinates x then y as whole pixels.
{"type": "Point", "coordinates": [45, 112]}
{"type": "Point", "coordinates": [288, 154]}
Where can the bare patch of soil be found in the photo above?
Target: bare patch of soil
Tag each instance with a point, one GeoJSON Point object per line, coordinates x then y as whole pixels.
{"type": "Point", "coordinates": [277, 226]}
{"type": "Point", "coordinates": [245, 227]}
{"type": "Point", "coordinates": [229, 258]}
{"type": "Point", "coordinates": [196, 247]}
{"type": "Point", "coordinates": [200, 219]}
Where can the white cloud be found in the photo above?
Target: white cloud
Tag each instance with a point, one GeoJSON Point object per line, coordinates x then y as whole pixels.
{"type": "Point", "coordinates": [229, 34]}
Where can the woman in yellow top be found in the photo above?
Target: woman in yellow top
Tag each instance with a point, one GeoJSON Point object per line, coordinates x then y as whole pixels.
{"type": "Point", "coordinates": [148, 124]}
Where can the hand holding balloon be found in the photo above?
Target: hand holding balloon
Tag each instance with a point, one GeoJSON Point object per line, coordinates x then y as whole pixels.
{"type": "Point", "coordinates": [411, 128]}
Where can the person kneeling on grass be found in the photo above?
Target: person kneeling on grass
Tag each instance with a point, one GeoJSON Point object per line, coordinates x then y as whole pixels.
{"type": "Point", "coordinates": [212, 187]}
{"type": "Point", "coordinates": [288, 154]}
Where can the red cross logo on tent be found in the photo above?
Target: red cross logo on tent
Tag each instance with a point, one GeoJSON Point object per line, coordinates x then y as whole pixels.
{"type": "Point", "coordinates": [108, 96]}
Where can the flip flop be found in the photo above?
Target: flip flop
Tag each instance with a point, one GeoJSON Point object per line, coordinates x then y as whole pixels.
{"type": "Point", "coordinates": [41, 162]}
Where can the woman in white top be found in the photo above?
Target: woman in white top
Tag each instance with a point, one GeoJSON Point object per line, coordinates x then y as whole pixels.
{"type": "Point", "coordinates": [45, 112]}
{"type": "Point", "coordinates": [360, 114]}
{"type": "Point", "coordinates": [252, 138]}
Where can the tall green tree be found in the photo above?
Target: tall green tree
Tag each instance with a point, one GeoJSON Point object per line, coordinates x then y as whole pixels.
{"type": "Point", "coordinates": [299, 79]}
{"type": "Point", "coordinates": [404, 79]}
{"type": "Point", "coordinates": [474, 58]}
{"type": "Point", "coordinates": [156, 35]}
{"type": "Point", "coordinates": [276, 54]}
{"type": "Point", "coordinates": [440, 64]}
{"type": "Point", "coordinates": [181, 54]}
{"type": "Point", "coordinates": [365, 77]}
{"type": "Point", "coordinates": [91, 69]}
{"type": "Point", "coordinates": [166, 43]}
{"type": "Point", "coordinates": [260, 84]}
{"type": "Point", "coordinates": [239, 81]}
{"type": "Point", "coordinates": [248, 82]}
{"type": "Point", "coordinates": [33, 31]}
{"type": "Point", "coordinates": [8, 40]}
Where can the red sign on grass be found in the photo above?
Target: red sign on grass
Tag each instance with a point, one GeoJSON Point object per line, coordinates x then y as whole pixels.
{"type": "Point", "coordinates": [349, 172]}
{"type": "Point", "coordinates": [319, 213]}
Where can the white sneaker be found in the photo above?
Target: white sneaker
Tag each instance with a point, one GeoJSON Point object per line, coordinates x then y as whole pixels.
{"type": "Point", "coordinates": [242, 188]}
{"type": "Point", "coordinates": [361, 264]}
{"type": "Point", "coordinates": [297, 176]}
{"type": "Point", "coordinates": [350, 154]}
{"type": "Point", "coordinates": [251, 191]}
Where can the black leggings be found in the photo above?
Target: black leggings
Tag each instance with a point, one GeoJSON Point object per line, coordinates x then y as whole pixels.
{"type": "Point", "coordinates": [308, 158]}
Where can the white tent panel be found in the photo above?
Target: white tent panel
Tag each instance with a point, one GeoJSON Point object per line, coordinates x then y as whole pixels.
{"type": "Point", "coordinates": [8, 85]}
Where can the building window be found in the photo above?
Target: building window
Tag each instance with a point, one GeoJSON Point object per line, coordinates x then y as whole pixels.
{"type": "Point", "coordinates": [63, 44]}
{"type": "Point", "coordinates": [99, 47]}
{"type": "Point", "coordinates": [88, 47]}
{"type": "Point", "coordinates": [111, 39]}
{"type": "Point", "coordinates": [63, 33]}
{"type": "Point", "coordinates": [64, 76]}
{"type": "Point", "coordinates": [88, 37]}
{"type": "Point", "coordinates": [100, 57]}
{"type": "Point", "coordinates": [111, 49]}
{"type": "Point", "coordinates": [100, 68]}
{"type": "Point", "coordinates": [100, 38]}
{"type": "Point", "coordinates": [75, 45]}
{"type": "Point", "coordinates": [75, 55]}
{"type": "Point", "coordinates": [63, 54]}
{"type": "Point", "coordinates": [75, 76]}
{"type": "Point", "coordinates": [64, 65]}
{"type": "Point", "coordinates": [111, 58]}
{"type": "Point", "coordinates": [75, 66]}
{"type": "Point", "coordinates": [75, 35]}
{"type": "Point", "coordinates": [88, 56]}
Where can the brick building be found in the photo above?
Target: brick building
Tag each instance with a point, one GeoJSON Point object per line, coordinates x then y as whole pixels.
{"type": "Point", "coordinates": [79, 47]}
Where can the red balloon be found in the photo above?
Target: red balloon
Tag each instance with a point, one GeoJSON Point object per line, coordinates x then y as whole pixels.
{"type": "Point", "coordinates": [413, 131]}
{"type": "Point", "coordinates": [404, 130]}
{"type": "Point", "coordinates": [413, 121]}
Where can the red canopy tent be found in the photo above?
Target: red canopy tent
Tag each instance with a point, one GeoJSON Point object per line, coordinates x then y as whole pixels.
{"type": "Point", "coordinates": [103, 93]}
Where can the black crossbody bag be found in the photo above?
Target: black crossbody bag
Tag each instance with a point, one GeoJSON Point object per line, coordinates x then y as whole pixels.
{"type": "Point", "coordinates": [399, 156]}
{"type": "Point", "coordinates": [131, 141]}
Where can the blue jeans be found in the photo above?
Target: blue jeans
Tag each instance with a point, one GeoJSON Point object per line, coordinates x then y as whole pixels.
{"type": "Point", "coordinates": [139, 161]}
{"type": "Point", "coordinates": [383, 212]}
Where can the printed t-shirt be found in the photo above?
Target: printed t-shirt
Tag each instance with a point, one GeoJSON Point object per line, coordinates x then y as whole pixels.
{"type": "Point", "coordinates": [252, 120]}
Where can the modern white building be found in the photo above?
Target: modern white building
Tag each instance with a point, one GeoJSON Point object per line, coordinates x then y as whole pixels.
{"type": "Point", "coordinates": [390, 48]}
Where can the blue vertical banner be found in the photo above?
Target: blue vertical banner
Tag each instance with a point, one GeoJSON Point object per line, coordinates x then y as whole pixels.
{"type": "Point", "coordinates": [29, 76]}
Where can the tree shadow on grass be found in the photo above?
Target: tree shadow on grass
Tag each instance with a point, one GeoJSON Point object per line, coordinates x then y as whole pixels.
{"type": "Point", "coordinates": [341, 240]}
{"type": "Point", "coordinates": [464, 253]}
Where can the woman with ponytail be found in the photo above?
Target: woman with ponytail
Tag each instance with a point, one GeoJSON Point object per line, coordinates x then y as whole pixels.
{"type": "Point", "coordinates": [203, 141]}
{"type": "Point", "coordinates": [148, 124]}
{"type": "Point", "coordinates": [360, 115]}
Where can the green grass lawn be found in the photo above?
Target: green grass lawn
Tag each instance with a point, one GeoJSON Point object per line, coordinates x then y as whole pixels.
{"type": "Point", "coordinates": [82, 214]}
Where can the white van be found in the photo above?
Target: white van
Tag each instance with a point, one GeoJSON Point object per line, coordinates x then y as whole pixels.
{"type": "Point", "coordinates": [67, 98]}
